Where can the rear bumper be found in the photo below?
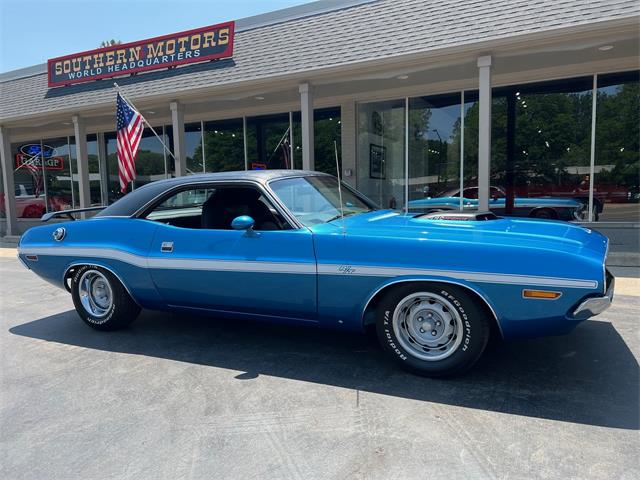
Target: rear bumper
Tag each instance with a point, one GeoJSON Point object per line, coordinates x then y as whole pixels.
{"type": "Point", "coordinates": [595, 305]}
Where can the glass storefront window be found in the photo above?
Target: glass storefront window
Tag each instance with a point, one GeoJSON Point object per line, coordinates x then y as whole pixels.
{"type": "Point", "coordinates": [57, 173]}
{"type": "Point", "coordinates": [193, 148]}
{"type": "Point", "coordinates": [381, 138]}
{"type": "Point", "coordinates": [223, 145]}
{"type": "Point", "coordinates": [268, 142]}
{"type": "Point", "coordinates": [327, 129]}
{"type": "Point", "coordinates": [95, 194]}
{"type": "Point", "coordinates": [617, 153]}
{"type": "Point", "coordinates": [151, 162]}
{"type": "Point", "coordinates": [94, 170]}
{"type": "Point", "coordinates": [3, 211]}
{"type": "Point", "coordinates": [434, 147]}
{"type": "Point", "coordinates": [42, 177]}
{"type": "Point", "coordinates": [541, 147]}
{"type": "Point", "coordinates": [28, 179]}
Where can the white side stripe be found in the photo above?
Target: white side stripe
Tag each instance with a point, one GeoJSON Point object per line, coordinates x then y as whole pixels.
{"type": "Point", "coordinates": [177, 263]}
{"type": "Point", "coordinates": [305, 268]}
{"type": "Point", "coordinates": [504, 278]}
{"type": "Point", "coordinates": [232, 266]}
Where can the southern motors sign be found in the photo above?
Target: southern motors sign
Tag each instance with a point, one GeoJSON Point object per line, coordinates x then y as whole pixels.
{"type": "Point", "coordinates": [208, 43]}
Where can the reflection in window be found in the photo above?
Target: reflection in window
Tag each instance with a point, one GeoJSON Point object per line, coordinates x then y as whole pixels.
{"type": "Point", "coordinates": [434, 146]}
{"type": "Point", "coordinates": [327, 130]}
{"type": "Point", "coordinates": [545, 148]}
{"type": "Point", "coordinates": [223, 146]}
{"type": "Point", "coordinates": [269, 142]}
{"type": "Point", "coordinates": [151, 162]}
{"type": "Point", "coordinates": [57, 173]}
{"type": "Point", "coordinates": [28, 179]}
{"type": "Point", "coordinates": [381, 173]}
{"type": "Point", "coordinates": [193, 148]}
{"type": "Point", "coordinates": [617, 155]}
{"type": "Point", "coordinates": [42, 177]}
{"type": "Point", "coordinates": [95, 194]}
{"type": "Point", "coordinates": [3, 211]}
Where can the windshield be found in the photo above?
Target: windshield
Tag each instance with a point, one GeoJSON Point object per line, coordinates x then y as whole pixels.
{"type": "Point", "coordinates": [316, 200]}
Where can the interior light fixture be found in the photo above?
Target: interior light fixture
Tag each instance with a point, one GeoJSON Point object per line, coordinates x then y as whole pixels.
{"type": "Point", "coordinates": [605, 48]}
{"type": "Point", "coordinates": [259, 97]}
{"type": "Point", "coordinates": [402, 77]}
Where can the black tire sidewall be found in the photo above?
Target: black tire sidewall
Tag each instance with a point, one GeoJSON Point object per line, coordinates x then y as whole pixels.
{"type": "Point", "coordinates": [123, 310]}
{"type": "Point", "coordinates": [474, 322]}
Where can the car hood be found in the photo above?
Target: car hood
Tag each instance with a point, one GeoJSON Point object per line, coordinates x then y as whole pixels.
{"type": "Point", "coordinates": [512, 232]}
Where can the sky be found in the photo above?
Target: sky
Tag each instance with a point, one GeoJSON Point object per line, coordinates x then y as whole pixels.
{"type": "Point", "coordinates": [31, 31]}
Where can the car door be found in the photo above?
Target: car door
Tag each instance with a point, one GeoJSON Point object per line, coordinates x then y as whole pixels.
{"type": "Point", "coordinates": [256, 272]}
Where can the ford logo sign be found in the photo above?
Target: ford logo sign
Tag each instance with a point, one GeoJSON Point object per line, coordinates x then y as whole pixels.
{"type": "Point", "coordinates": [59, 234]}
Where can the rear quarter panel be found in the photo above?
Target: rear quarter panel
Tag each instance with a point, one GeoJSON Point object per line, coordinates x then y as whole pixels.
{"type": "Point", "coordinates": [120, 245]}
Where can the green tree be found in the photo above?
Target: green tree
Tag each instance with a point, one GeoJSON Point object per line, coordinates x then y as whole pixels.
{"type": "Point", "coordinates": [109, 43]}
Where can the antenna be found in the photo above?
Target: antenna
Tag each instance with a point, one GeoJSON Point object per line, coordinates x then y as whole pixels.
{"type": "Point", "coordinates": [335, 148]}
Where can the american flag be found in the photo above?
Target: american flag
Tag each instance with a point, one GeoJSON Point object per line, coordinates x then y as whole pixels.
{"type": "Point", "coordinates": [130, 125]}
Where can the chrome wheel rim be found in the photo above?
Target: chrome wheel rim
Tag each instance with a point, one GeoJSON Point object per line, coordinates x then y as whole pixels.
{"type": "Point", "coordinates": [427, 326]}
{"type": "Point", "coordinates": [95, 293]}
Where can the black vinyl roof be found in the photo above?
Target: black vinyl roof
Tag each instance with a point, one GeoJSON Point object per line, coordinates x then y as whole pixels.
{"type": "Point", "coordinates": [134, 201]}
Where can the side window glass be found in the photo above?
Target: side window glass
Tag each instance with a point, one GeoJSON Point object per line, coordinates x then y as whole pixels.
{"type": "Point", "coordinates": [185, 205]}
{"type": "Point", "coordinates": [216, 208]}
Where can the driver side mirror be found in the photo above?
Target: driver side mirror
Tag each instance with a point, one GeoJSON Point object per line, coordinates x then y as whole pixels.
{"type": "Point", "coordinates": [243, 222]}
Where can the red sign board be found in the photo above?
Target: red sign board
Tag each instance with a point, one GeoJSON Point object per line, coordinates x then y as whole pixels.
{"type": "Point", "coordinates": [207, 43]}
{"type": "Point", "coordinates": [35, 162]}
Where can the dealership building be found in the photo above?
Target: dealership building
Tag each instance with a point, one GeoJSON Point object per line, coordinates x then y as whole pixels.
{"type": "Point", "coordinates": [505, 101]}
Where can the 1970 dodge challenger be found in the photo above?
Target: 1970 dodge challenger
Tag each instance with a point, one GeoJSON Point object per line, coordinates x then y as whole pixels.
{"type": "Point", "coordinates": [274, 245]}
{"type": "Point", "coordinates": [551, 208]}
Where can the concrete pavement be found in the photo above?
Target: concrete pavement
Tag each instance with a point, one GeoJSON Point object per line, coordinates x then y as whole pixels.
{"type": "Point", "coordinates": [191, 397]}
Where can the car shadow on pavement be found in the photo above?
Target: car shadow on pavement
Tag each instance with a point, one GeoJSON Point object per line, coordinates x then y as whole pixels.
{"type": "Point", "coordinates": [588, 377]}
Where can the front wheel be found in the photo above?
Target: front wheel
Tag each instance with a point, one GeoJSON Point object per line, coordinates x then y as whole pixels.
{"type": "Point", "coordinates": [433, 329]}
{"type": "Point", "coordinates": [101, 300]}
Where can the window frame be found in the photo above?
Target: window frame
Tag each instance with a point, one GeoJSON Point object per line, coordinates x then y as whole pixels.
{"type": "Point", "coordinates": [142, 213]}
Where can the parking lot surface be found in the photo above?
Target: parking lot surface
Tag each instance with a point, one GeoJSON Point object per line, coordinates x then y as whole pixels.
{"type": "Point", "coordinates": [193, 397]}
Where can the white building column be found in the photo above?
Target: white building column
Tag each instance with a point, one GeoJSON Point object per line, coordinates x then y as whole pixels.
{"type": "Point", "coordinates": [306, 111]}
{"type": "Point", "coordinates": [179, 149]}
{"type": "Point", "coordinates": [7, 182]}
{"type": "Point", "coordinates": [484, 131]}
{"type": "Point", "coordinates": [82, 159]}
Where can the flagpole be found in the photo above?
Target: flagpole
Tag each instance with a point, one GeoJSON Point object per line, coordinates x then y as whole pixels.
{"type": "Point", "coordinates": [117, 87]}
{"type": "Point", "coordinates": [278, 145]}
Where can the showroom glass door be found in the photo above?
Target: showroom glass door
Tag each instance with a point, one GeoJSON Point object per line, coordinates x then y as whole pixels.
{"type": "Point", "coordinates": [381, 152]}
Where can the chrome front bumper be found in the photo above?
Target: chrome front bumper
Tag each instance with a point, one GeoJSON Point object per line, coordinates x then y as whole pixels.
{"type": "Point", "coordinates": [595, 305]}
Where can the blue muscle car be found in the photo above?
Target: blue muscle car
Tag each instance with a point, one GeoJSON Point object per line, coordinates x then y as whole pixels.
{"type": "Point", "coordinates": [289, 246]}
{"type": "Point", "coordinates": [553, 208]}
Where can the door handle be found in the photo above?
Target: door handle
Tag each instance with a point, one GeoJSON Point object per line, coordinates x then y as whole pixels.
{"type": "Point", "coordinates": [166, 247]}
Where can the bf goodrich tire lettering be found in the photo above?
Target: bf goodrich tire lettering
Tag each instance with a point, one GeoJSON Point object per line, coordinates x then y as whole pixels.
{"type": "Point", "coordinates": [432, 329]}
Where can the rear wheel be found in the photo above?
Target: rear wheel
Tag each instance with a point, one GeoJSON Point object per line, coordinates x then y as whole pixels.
{"type": "Point", "coordinates": [432, 329]}
{"type": "Point", "coordinates": [101, 300]}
